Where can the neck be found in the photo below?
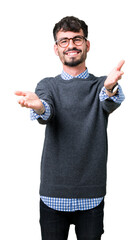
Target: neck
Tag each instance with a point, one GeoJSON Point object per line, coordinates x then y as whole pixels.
{"type": "Point", "coordinates": [74, 71]}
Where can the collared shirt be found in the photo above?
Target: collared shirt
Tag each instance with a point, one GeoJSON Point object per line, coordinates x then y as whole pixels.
{"type": "Point", "coordinates": [74, 204]}
{"type": "Point", "coordinates": [67, 76]}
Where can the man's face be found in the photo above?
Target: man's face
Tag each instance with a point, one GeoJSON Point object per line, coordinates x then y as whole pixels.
{"type": "Point", "coordinates": [72, 55]}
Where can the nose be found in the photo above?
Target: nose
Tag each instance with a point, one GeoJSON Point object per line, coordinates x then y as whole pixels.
{"type": "Point", "coordinates": [71, 43]}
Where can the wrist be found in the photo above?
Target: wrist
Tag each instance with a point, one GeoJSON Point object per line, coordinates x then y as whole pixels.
{"type": "Point", "coordinates": [41, 110]}
{"type": "Point", "coordinates": [112, 91]}
{"type": "Point", "coordinates": [111, 94]}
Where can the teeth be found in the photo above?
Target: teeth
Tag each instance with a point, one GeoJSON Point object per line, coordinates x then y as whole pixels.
{"type": "Point", "coordinates": [72, 53]}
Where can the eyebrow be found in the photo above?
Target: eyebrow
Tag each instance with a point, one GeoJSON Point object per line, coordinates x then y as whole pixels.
{"type": "Point", "coordinates": [69, 38]}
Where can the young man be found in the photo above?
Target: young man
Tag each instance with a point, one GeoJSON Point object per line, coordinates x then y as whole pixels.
{"type": "Point", "coordinates": [75, 106]}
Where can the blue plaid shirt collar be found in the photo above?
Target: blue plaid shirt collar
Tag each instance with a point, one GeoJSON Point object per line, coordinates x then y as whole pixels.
{"type": "Point", "coordinates": [67, 76]}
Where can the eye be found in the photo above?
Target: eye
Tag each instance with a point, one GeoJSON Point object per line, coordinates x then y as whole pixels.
{"type": "Point", "coordinates": [63, 41]}
{"type": "Point", "coordinates": [78, 40]}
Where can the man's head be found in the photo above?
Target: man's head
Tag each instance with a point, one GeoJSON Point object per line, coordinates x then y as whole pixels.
{"type": "Point", "coordinates": [71, 43]}
{"type": "Point", "coordinates": [71, 24]}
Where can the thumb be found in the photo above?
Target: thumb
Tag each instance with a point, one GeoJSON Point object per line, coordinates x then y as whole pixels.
{"type": "Point", "coordinates": [120, 64]}
{"type": "Point", "coordinates": [20, 93]}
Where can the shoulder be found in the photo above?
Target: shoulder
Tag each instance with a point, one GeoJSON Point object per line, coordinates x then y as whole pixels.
{"type": "Point", "coordinates": [47, 80]}
{"type": "Point", "coordinates": [98, 80]}
{"type": "Point", "coordinates": [47, 84]}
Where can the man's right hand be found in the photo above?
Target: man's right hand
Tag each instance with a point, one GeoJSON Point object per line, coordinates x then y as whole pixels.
{"type": "Point", "coordinates": [30, 100]}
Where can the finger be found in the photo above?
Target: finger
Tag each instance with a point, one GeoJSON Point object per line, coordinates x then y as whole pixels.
{"type": "Point", "coordinates": [120, 64]}
{"type": "Point", "coordinates": [119, 75]}
{"type": "Point", "coordinates": [20, 93]}
{"type": "Point", "coordinates": [23, 103]}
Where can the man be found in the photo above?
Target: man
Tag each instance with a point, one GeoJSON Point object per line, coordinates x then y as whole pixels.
{"type": "Point", "coordinates": [75, 106]}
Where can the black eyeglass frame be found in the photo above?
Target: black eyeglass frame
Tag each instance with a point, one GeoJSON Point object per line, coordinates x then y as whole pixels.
{"type": "Point", "coordinates": [73, 39]}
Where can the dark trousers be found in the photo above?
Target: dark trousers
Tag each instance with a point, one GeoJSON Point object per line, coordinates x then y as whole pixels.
{"type": "Point", "coordinates": [55, 224]}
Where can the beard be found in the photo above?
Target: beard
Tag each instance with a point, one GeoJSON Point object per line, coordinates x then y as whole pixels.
{"type": "Point", "coordinates": [73, 61]}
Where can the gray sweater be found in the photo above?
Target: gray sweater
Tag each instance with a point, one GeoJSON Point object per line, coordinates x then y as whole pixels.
{"type": "Point", "coordinates": [74, 158]}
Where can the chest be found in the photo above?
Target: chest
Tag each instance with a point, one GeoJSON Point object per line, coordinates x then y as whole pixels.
{"type": "Point", "coordinates": [79, 95]}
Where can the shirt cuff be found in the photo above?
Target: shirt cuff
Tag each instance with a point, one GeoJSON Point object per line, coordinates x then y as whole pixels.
{"type": "Point", "coordinates": [44, 116]}
{"type": "Point", "coordinates": [118, 98]}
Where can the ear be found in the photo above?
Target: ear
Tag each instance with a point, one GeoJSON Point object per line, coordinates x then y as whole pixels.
{"type": "Point", "coordinates": [88, 45]}
{"type": "Point", "coordinates": [56, 49]}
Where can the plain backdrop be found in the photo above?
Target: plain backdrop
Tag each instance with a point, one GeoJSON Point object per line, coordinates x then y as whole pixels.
{"type": "Point", "coordinates": [27, 56]}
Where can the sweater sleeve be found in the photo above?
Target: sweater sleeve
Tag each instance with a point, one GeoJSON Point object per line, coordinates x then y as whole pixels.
{"type": "Point", "coordinates": [44, 116]}
{"type": "Point", "coordinates": [110, 104]}
{"type": "Point", "coordinates": [118, 98]}
{"type": "Point", "coordinates": [44, 93]}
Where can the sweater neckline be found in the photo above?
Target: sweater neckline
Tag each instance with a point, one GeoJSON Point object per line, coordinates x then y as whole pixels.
{"type": "Point", "coordinates": [67, 76]}
{"type": "Point", "coordinates": [90, 77]}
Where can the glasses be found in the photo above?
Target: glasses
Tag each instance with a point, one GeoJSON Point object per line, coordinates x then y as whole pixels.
{"type": "Point", "coordinates": [77, 40]}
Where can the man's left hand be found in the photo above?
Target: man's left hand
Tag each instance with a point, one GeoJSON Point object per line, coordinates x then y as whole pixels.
{"type": "Point", "coordinates": [114, 76]}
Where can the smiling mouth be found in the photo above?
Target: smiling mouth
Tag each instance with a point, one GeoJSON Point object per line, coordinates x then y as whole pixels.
{"type": "Point", "coordinates": [72, 52]}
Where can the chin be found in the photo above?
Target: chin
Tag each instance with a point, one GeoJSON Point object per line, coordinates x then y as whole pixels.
{"type": "Point", "coordinates": [73, 63]}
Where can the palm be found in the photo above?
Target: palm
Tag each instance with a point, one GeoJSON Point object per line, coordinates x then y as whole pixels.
{"type": "Point", "coordinates": [29, 100]}
{"type": "Point", "coordinates": [114, 76]}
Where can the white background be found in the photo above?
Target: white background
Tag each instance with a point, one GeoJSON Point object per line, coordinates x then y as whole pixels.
{"type": "Point", "coordinates": [27, 56]}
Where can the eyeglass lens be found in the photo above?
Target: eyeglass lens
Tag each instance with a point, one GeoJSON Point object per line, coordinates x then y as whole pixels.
{"type": "Point", "coordinates": [77, 40]}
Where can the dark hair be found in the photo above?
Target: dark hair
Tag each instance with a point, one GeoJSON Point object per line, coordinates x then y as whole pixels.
{"type": "Point", "coordinates": [72, 24]}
